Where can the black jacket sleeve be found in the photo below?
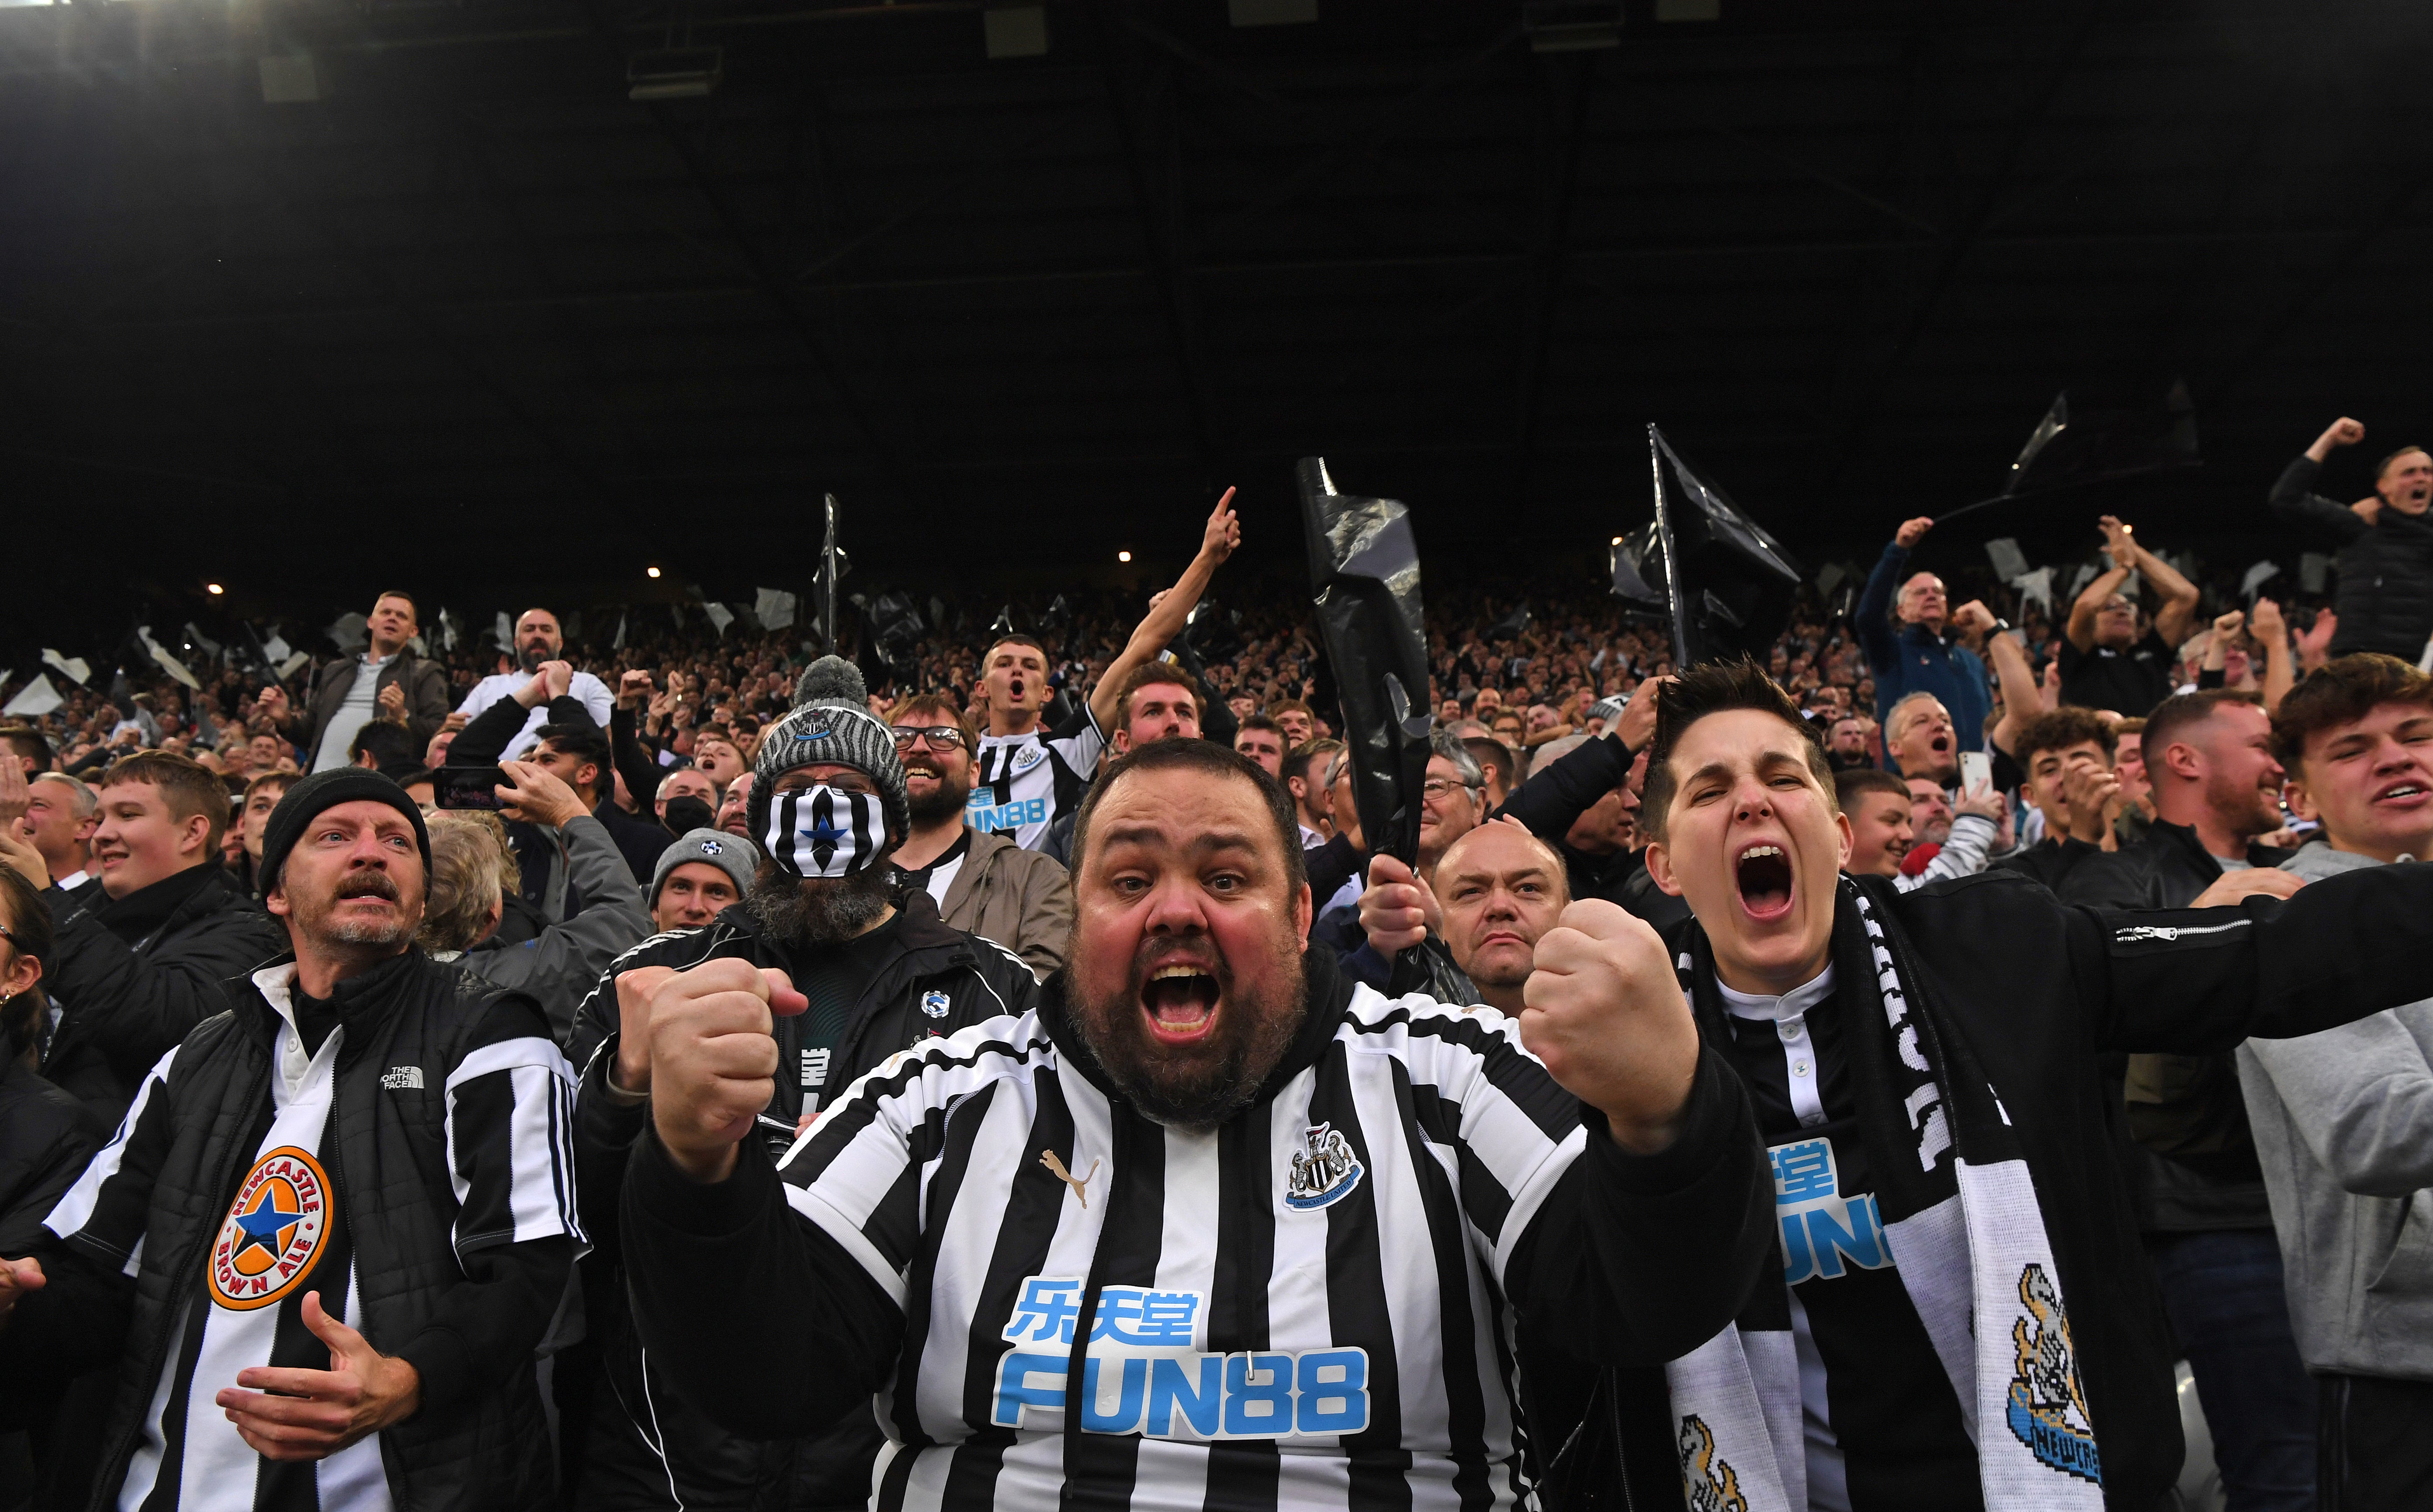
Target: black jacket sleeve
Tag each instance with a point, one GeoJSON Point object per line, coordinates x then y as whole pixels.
{"type": "Point", "coordinates": [135, 1008]}
{"type": "Point", "coordinates": [481, 741]}
{"type": "Point", "coordinates": [643, 775]}
{"type": "Point", "coordinates": [2294, 499]}
{"type": "Point", "coordinates": [489, 1324]}
{"type": "Point", "coordinates": [2193, 982]}
{"type": "Point", "coordinates": [1330, 866]}
{"type": "Point", "coordinates": [1639, 1259]}
{"type": "Point", "coordinates": [745, 1367]}
{"type": "Point", "coordinates": [1553, 799]}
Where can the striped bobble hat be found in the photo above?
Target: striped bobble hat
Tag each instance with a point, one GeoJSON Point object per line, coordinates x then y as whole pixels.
{"type": "Point", "coordinates": [830, 724]}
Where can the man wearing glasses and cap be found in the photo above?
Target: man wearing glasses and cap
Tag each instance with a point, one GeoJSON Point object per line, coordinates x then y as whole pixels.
{"type": "Point", "coordinates": [982, 882]}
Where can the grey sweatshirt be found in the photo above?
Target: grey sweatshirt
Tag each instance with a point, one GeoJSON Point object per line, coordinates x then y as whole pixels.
{"type": "Point", "coordinates": [2344, 1130]}
{"type": "Point", "coordinates": [564, 963]}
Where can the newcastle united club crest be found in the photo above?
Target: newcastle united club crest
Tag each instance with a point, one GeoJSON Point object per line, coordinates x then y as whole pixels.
{"type": "Point", "coordinates": [2048, 1404]}
{"type": "Point", "coordinates": [1323, 1170]}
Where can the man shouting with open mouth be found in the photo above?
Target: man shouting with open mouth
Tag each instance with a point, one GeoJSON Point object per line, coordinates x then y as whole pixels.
{"type": "Point", "coordinates": [1210, 1226]}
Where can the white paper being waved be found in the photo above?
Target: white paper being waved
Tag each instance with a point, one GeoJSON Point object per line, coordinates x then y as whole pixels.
{"type": "Point", "coordinates": [73, 666]}
{"type": "Point", "coordinates": [34, 700]}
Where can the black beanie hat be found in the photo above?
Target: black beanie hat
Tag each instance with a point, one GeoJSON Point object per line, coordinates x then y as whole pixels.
{"type": "Point", "coordinates": [327, 790]}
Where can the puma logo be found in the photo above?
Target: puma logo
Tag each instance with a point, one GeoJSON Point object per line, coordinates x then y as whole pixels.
{"type": "Point", "coordinates": [1080, 1184]}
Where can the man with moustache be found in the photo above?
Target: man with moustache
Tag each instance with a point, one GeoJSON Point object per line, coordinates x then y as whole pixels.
{"type": "Point", "coordinates": [334, 1227]}
{"type": "Point", "coordinates": [1207, 1225]}
{"type": "Point", "coordinates": [982, 882]}
{"type": "Point", "coordinates": [878, 972]}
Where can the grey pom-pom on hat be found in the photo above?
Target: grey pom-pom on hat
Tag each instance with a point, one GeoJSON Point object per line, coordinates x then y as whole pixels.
{"type": "Point", "coordinates": [830, 724]}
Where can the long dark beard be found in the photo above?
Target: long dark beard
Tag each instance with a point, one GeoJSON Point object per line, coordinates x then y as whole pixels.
{"type": "Point", "coordinates": [1200, 1092]}
{"type": "Point", "coordinates": [818, 912]}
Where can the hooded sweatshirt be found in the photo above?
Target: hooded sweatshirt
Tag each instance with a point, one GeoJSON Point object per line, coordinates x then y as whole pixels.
{"type": "Point", "coordinates": [2343, 1125]}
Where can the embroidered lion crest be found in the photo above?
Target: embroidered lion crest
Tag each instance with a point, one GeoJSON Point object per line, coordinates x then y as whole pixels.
{"type": "Point", "coordinates": [2048, 1402]}
{"type": "Point", "coordinates": [1709, 1483]}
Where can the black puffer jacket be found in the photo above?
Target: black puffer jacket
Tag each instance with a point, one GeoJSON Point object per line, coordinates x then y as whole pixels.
{"type": "Point", "coordinates": [45, 1138]}
{"type": "Point", "coordinates": [124, 1002]}
{"type": "Point", "coordinates": [2385, 594]}
{"type": "Point", "coordinates": [935, 981]}
{"type": "Point", "coordinates": [479, 1439]}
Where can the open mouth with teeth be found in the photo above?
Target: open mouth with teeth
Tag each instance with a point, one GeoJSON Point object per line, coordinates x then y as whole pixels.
{"type": "Point", "coordinates": [1179, 1001]}
{"type": "Point", "coordinates": [2403, 793]}
{"type": "Point", "coordinates": [1763, 874]}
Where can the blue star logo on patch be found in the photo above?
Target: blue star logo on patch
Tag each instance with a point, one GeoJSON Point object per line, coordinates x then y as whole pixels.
{"type": "Point", "coordinates": [934, 1004]}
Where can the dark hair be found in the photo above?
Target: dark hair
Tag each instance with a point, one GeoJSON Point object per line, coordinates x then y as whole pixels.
{"type": "Point", "coordinates": [1154, 674]}
{"type": "Point", "coordinates": [25, 1016]}
{"type": "Point", "coordinates": [938, 705]}
{"type": "Point", "coordinates": [1259, 721]}
{"type": "Point", "coordinates": [401, 593]}
{"type": "Point", "coordinates": [390, 746]}
{"type": "Point", "coordinates": [1718, 688]}
{"type": "Point", "coordinates": [2382, 469]}
{"type": "Point", "coordinates": [1849, 784]}
{"type": "Point", "coordinates": [582, 741]}
{"type": "Point", "coordinates": [1209, 759]}
{"type": "Point", "coordinates": [2175, 716]}
{"type": "Point", "coordinates": [187, 787]}
{"type": "Point", "coordinates": [2060, 729]}
{"type": "Point", "coordinates": [2340, 691]}
{"type": "Point", "coordinates": [31, 743]}
{"type": "Point", "coordinates": [1489, 751]}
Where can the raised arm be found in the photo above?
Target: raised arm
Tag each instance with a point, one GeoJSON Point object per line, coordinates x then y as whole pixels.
{"type": "Point", "coordinates": [2012, 672]}
{"type": "Point", "coordinates": [2179, 595]}
{"type": "Point", "coordinates": [1876, 603]}
{"type": "Point", "coordinates": [2280, 668]}
{"type": "Point", "coordinates": [1170, 609]}
{"type": "Point", "coordinates": [2080, 629]}
{"type": "Point", "coordinates": [2293, 497]}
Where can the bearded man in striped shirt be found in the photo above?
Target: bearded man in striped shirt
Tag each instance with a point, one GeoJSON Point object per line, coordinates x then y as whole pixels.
{"type": "Point", "coordinates": [1212, 1227]}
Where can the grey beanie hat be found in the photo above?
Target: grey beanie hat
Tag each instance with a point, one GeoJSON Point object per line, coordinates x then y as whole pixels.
{"type": "Point", "coordinates": [830, 724]}
{"type": "Point", "coordinates": [737, 858]}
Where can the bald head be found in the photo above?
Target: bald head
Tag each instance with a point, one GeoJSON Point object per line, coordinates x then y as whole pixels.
{"type": "Point", "coordinates": [1501, 887]}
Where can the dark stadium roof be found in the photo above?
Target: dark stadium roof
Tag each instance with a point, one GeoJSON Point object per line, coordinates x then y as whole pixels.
{"type": "Point", "coordinates": [467, 312]}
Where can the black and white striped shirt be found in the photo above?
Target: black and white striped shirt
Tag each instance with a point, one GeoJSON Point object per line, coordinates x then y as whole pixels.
{"type": "Point", "coordinates": [1021, 784]}
{"type": "Point", "coordinates": [1312, 1307]}
{"type": "Point", "coordinates": [286, 1232]}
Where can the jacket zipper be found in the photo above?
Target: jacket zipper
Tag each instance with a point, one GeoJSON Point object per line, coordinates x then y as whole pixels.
{"type": "Point", "coordinates": [123, 1450]}
{"type": "Point", "coordinates": [2167, 933]}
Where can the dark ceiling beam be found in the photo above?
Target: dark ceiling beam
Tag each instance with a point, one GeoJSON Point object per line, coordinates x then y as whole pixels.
{"type": "Point", "coordinates": [1559, 188]}
{"type": "Point", "coordinates": [1161, 214]}
{"type": "Point", "coordinates": [758, 265]}
{"type": "Point", "coordinates": [1859, 413]}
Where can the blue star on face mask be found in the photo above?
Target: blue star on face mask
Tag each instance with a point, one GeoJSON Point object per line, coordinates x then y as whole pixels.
{"type": "Point", "coordinates": [825, 832]}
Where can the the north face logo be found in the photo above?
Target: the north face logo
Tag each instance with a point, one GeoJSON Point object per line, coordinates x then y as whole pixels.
{"type": "Point", "coordinates": [403, 1079]}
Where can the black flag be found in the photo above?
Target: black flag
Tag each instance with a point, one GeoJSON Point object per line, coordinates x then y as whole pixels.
{"type": "Point", "coordinates": [833, 567]}
{"type": "Point", "coordinates": [1728, 584]}
{"type": "Point", "coordinates": [1364, 572]}
{"type": "Point", "coordinates": [2096, 442]}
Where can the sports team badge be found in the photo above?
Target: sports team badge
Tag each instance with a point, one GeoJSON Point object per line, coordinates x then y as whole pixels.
{"type": "Point", "coordinates": [273, 1231]}
{"type": "Point", "coordinates": [1323, 1170]}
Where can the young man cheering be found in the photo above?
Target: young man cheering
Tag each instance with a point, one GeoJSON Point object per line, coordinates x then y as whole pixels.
{"type": "Point", "coordinates": [1964, 1279]}
{"type": "Point", "coordinates": [2343, 1120]}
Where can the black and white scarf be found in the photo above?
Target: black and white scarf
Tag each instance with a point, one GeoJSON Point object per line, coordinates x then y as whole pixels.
{"type": "Point", "coordinates": [1966, 1234]}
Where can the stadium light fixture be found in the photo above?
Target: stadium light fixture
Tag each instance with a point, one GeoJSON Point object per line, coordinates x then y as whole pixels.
{"type": "Point", "coordinates": [1123, 557]}
{"type": "Point", "coordinates": [213, 590]}
{"type": "Point", "coordinates": [652, 571]}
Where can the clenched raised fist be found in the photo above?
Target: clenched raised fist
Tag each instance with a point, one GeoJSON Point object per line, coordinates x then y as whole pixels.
{"type": "Point", "coordinates": [1606, 1014]}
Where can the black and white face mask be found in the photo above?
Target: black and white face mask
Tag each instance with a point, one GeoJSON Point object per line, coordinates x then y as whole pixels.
{"type": "Point", "coordinates": [825, 832]}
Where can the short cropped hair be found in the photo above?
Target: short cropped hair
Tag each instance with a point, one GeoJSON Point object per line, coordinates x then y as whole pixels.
{"type": "Point", "coordinates": [31, 743]}
{"type": "Point", "coordinates": [2065, 726]}
{"type": "Point", "coordinates": [584, 742]}
{"type": "Point", "coordinates": [2181, 712]}
{"type": "Point", "coordinates": [1489, 751]}
{"type": "Point", "coordinates": [82, 800]}
{"type": "Point", "coordinates": [1278, 709]}
{"type": "Point", "coordinates": [1014, 639]}
{"type": "Point", "coordinates": [1209, 759]}
{"type": "Point", "coordinates": [1297, 760]}
{"type": "Point", "coordinates": [401, 593]}
{"type": "Point", "coordinates": [1259, 721]}
{"type": "Point", "coordinates": [187, 785]}
{"type": "Point", "coordinates": [2340, 691]}
{"type": "Point", "coordinates": [1155, 674]}
{"type": "Point", "coordinates": [1848, 786]}
{"type": "Point", "coordinates": [2382, 469]}
{"type": "Point", "coordinates": [1718, 688]}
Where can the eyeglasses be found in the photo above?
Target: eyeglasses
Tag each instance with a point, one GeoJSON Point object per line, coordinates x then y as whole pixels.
{"type": "Point", "coordinates": [938, 736]}
{"type": "Point", "coordinates": [1436, 788]}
